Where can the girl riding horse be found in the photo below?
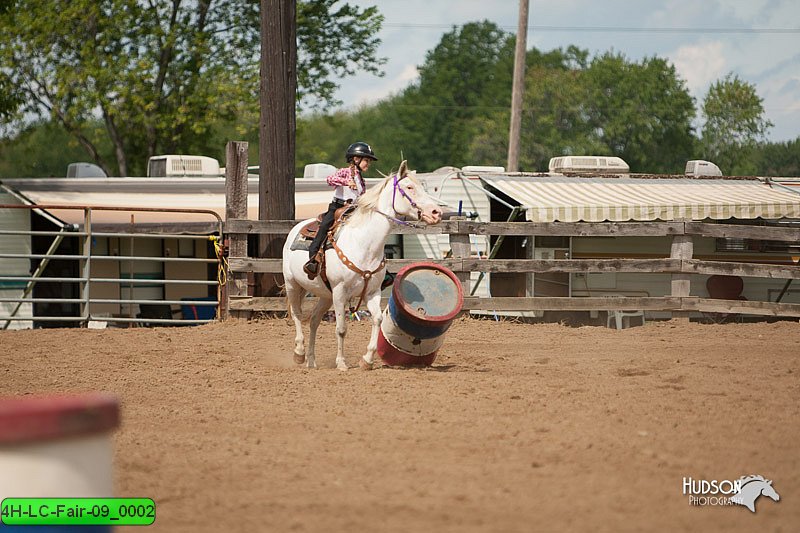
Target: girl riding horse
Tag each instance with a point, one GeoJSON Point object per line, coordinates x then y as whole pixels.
{"type": "Point", "coordinates": [349, 186]}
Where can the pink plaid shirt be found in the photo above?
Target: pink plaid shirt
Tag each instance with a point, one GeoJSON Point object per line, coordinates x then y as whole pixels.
{"type": "Point", "coordinates": [341, 179]}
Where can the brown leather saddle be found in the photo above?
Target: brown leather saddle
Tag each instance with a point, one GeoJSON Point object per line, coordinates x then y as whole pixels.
{"type": "Point", "coordinates": [309, 231]}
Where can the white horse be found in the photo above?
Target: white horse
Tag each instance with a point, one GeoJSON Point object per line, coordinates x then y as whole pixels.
{"type": "Point", "coordinates": [356, 269]}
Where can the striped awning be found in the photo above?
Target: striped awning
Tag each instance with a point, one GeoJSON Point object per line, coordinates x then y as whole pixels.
{"type": "Point", "coordinates": [571, 199]}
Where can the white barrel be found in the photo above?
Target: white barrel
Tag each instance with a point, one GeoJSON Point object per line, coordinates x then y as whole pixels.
{"type": "Point", "coordinates": [405, 342]}
{"type": "Point", "coordinates": [57, 446]}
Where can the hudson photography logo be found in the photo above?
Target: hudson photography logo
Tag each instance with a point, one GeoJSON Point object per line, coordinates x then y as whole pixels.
{"type": "Point", "coordinates": [743, 491]}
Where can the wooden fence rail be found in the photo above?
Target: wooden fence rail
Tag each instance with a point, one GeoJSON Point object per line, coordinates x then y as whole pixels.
{"type": "Point", "coordinates": [680, 265]}
{"type": "Point", "coordinates": [560, 229]}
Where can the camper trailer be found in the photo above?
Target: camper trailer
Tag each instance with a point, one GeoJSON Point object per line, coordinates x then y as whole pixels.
{"type": "Point", "coordinates": [600, 197]}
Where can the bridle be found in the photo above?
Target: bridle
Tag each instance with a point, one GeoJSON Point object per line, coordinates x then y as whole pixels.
{"type": "Point", "coordinates": [395, 189]}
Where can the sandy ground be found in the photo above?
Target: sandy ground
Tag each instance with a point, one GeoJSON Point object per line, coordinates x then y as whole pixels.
{"type": "Point", "coordinates": [516, 427]}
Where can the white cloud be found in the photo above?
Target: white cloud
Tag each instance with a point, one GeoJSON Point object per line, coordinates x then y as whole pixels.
{"type": "Point", "coordinates": [380, 88]}
{"type": "Point", "coordinates": [699, 64]}
{"type": "Point", "coordinates": [410, 73]}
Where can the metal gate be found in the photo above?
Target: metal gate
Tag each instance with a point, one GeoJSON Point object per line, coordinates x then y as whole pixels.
{"type": "Point", "coordinates": [99, 278]}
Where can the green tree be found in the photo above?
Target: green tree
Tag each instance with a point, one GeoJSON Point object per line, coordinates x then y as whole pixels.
{"type": "Point", "coordinates": [466, 76]}
{"type": "Point", "coordinates": [334, 42]}
{"type": "Point", "coordinates": [554, 121]}
{"type": "Point", "coordinates": [557, 108]}
{"type": "Point", "coordinates": [43, 149]}
{"type": "Point", "coordinates": [642, 112]}
{"type": "Point", "coordinates": [9, 101]}
{"type": "Point", "coordinates": [778, 159]}
{"type": "Point", "coordinates": [734, 125]}
{"type": "Point", "coordinates": [323, 138]}
{"type": "Point", "coordinates": [160, 74]}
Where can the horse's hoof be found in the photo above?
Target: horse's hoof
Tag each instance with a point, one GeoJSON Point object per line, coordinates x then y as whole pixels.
{"type": "Point", "coordinates": [299, 358]}
{"type": "Point", "coordinates": [362, 363]}
{"type": "Point", "coordinates": [342, 366]}
{"type": "Point", "coordinates": [312, 365]}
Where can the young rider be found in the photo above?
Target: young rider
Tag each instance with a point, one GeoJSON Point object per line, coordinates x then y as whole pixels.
{"type": "Point", "coordinates": [349, 185]}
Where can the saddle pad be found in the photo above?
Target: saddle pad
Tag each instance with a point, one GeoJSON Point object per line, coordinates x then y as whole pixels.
{"type": "Point", "coordinates": [300, 243]}
{"type": "Point", "coordinates": [303, 243]}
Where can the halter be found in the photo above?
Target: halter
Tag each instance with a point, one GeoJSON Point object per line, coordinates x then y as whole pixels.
{"type": "Point", "coordinates": [395, 188]}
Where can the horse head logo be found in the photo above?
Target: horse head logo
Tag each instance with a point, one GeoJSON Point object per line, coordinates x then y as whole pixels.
{"type": "Point", "coordinates": [751, 488]}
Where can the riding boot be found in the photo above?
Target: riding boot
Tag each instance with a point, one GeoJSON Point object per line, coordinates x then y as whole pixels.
{"type": "Point", "coordinates": [311, 268]}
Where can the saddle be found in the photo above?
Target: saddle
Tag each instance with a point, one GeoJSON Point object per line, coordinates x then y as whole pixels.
{"type": "Point", "coordinates": [309, 231]}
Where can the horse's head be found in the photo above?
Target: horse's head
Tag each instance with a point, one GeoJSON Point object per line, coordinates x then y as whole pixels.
{"type": "Point", "coordinates": [751, 488]}
{"type": "Point", "coordinates": [409, 198]}
{"type": "Point", "coordinates": [768, 491]}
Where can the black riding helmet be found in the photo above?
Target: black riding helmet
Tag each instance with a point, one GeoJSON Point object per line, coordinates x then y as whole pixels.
{"type": "Point", "coordinates": [359, 149]}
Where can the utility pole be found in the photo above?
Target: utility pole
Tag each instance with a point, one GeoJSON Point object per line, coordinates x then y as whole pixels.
{"type": "Point", "coordinates": [518, 88]}
{"type": "Point", "coordinates": [276, 134]}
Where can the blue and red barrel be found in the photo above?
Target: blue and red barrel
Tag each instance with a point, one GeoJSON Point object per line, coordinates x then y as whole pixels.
{"type": "Point", "coordinates": [425, 299]}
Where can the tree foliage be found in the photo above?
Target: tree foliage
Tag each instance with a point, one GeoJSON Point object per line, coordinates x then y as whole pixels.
{"type": "Point", "coordinates": [609, 106]}
{"type": "Point", "coordinates": [334, 42]}
{"type": "Point", "coordinates": [456, 113]}
{"type": "Point", "coordinates": [43, 149]}
{"type": "Point", "coordinates": [465, 76]}
{"type": "Point", "coordinates": [734, 125]}
{"type": "Point", "coordinates": [160, 74]}
{"type": "Point", "coordinates": [778, 159]}
{"type": "Point", "coordinates": [554, 114]}
{"type": "Point", "coordinates": [642, 112]}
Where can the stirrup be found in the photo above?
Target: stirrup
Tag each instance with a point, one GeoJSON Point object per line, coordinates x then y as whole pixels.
{"type": "Point", "coordinates": [311, 269]}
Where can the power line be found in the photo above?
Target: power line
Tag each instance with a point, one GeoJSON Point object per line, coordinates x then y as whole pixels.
{"type": "Point", "coordinates": [498, 108]}
{"type": "Point", "coordinates": [613, 29]}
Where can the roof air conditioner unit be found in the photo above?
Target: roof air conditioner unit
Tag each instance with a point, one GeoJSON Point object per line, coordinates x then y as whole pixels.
{"type": "Point", "coordinates": [169, 166]}
{"type": "Point", "coordinates": [588, 163]}
{"type": "Point", "coordinates": [479, 168]}
{"type": "Point", "coordinates": [318, 170]}
{"type": "Point", "coordinates": [698, 167]}
{"type": "Point", "coordinates": [85, 170]}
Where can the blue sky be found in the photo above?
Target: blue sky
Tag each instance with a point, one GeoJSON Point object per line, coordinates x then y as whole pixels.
{"type": "Point", "coordinates": [758, 40]}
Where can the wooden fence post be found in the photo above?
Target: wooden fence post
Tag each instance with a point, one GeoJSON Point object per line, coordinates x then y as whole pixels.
{"type": "Point", "coordinates": [529, 276]}
{"type": "Point", "coordinates": [236, 207]}
{"type": "Point", "coordinates": [682, 248]}
{"type": "Point", "coordinates": [461, 248]}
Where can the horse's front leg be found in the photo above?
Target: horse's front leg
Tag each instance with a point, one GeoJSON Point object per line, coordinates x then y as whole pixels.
{"type": "Point", "coordinates": [374, 306]}
{"type": "Point", "coordinates": [339, 301]}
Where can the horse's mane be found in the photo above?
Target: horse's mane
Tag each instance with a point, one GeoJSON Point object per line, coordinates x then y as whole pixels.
{"type": "Point", "coordinates": [745, 480]}
{"type": "Point", "coordinates": [368, 202]}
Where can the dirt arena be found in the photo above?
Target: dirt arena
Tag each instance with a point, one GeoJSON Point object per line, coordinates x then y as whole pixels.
{"type": "Point", "coordinates": [517, 427]}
